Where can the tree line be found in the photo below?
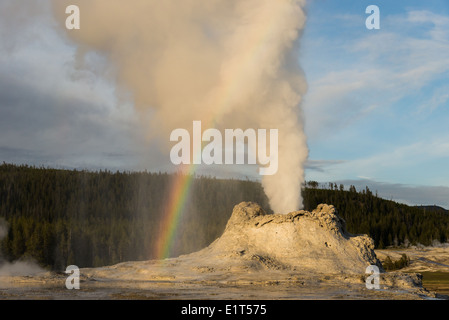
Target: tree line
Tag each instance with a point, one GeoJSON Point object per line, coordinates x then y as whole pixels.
{"type": "Point", "coordinates": [91, 219]}
{"type": "Point", "coordinates": [64, 217]}
{"type": "Point", "coordinates": [389, 223]}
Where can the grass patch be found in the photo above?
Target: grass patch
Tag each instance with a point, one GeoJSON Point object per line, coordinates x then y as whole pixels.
{"type": "Point", "coordinates": [436, 281]}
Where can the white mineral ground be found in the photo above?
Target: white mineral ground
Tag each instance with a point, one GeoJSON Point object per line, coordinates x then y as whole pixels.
{"type": "Point", "coordinates": [299, 255]}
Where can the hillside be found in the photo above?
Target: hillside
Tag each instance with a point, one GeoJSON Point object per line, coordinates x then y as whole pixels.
{"type": "Point", "coordinates": [434, 208]}
{"type": "Point", "coordinates": [389, 223]}
{"type": "Point", "coordinates": [59, 217]}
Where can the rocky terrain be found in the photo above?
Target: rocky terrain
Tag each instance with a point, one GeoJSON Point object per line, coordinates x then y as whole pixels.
{"type": "Point", "coordinates": [299, 255]}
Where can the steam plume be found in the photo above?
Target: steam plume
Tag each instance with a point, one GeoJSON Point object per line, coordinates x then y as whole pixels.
{"type": "Point", "coordinates": [230, 64]}
{"type": "Point", "coordinates": [23, 267]}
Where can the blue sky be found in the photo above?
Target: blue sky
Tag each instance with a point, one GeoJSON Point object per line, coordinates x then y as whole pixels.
{"type": "Point", "coordinates": [376, 110]}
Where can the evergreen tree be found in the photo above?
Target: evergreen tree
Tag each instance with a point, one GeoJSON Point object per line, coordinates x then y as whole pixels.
{"type": "Point", "coordinates": [63, 217]}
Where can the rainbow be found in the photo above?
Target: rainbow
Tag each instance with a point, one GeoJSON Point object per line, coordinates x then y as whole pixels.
{"type": "Point", "coordinates": [220, 98]}
{"type": "Point", "coordinates": [178, 195]}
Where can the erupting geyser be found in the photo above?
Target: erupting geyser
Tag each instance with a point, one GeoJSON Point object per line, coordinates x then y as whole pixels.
{"type": "Point", "coordinates": [227, 63]}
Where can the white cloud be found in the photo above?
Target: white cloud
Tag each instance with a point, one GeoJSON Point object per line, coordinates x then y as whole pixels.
{"type": "Point", "coordinates": [53, 110]}
{"type": "Point", "coordinates": [379, 70]}
{"type": "Point", "coordinates": [423, 161]}
{"type": "Point", "coordinates": [380, 102]}
{"type": "Point", "coordinates": [321, 165]}
{"type": "Point", "coordinates": [439, 99]}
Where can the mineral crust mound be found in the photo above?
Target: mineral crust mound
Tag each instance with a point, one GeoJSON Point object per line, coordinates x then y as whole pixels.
{"type": "Point", "coordinates": [314, 242]}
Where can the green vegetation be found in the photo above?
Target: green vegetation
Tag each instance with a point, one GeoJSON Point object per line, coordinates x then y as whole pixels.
{"type": "Point", "coordinates": [389, 265]}
{"type": "Point", "coordinates": [63, 217]}
{"type": "Point", "coordinates": [387, 222]}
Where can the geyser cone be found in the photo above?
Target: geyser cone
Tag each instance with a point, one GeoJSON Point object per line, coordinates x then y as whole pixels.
{"type": "Point", "coordinates": [315, 242]}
